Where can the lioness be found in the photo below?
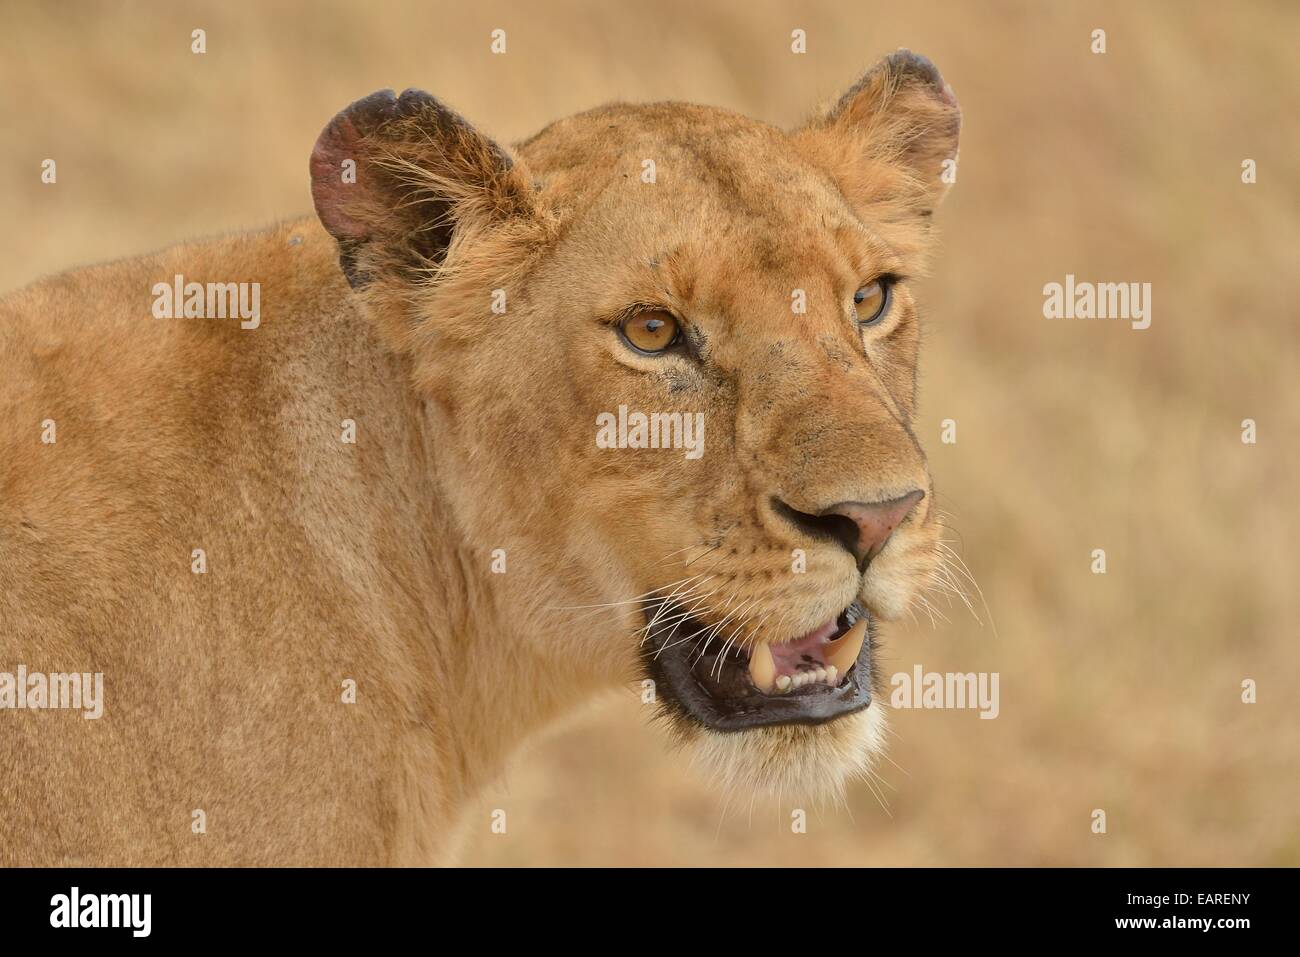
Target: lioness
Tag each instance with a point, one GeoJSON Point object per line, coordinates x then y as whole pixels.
{"type": "Point", "coordinates": [335, 562]}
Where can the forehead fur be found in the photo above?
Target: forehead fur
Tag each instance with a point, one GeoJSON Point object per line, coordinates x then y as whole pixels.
{"type": "Point", "coordinates": [724, 185]}
{"type": "Point", "coordinates": [729, 195]}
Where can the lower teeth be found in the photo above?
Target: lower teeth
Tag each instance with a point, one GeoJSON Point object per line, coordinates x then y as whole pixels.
{"type": "Point", "coordinates": [829, 676]}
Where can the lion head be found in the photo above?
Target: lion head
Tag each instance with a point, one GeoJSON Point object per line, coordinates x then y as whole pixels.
{"type": "Point", "coordinates": [668, 359]}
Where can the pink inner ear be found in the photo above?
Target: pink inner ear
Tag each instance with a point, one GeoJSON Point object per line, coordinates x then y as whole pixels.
{"type": "Point", "coordinates": [338, 142]}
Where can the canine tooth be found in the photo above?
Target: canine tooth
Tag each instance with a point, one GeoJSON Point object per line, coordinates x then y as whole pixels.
{"type": "Point", "coordinates": [762, 669]}
{"type": "Point", "coordinates": [783, 683]}
{"type": "Point", "coordinates": [842, 652]}
{"type": "Point", "coordinates": [832, 676]}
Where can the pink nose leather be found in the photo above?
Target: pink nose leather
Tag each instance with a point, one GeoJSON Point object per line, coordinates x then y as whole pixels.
{"type": "Point", "coordinates": [876, 521]}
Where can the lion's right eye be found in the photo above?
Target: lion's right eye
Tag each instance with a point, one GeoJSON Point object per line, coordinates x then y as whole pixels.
{"type": "Point", "coordinates": [651, 331]}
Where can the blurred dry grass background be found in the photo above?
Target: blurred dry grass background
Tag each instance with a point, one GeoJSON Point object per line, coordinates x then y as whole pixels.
{"type": "Point", "coordinates": [1119, 691]}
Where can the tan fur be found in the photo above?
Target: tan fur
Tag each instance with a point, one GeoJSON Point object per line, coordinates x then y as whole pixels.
{"type": "Point", "coordinates": [330, 561]}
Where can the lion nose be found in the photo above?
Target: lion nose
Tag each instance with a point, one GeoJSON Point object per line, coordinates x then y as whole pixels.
{"type": "Point", "coordinates": [874, 522]}
{"type": "Point", "coordinates": [861, 527]}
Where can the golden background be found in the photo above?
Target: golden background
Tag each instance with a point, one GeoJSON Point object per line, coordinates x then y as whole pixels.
{"type": "Point", "coordinates": [1119, 691]}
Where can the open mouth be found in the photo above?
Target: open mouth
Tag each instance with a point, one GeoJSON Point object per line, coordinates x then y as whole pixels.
{"type": "Point", "coordinates": [810, 679]}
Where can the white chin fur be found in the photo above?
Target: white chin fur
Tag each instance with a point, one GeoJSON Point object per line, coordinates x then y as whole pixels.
{"type": "Point", "coordinates": [794, 761]}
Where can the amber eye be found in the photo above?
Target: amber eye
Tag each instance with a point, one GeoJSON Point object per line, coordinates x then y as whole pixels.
{"type": "Point", "coordinates": [651, 330]}
{"type": "Point", "coordinates": [871, 302]}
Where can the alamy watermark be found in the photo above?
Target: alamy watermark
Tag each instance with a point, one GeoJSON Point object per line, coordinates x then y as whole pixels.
{"type": "Point", "coordinates": [130, 911]}
{"type": "Point", "coordinates": [214, 300]}
{"type": "Point", "coordinates": [39, 690]}
{"type": "Point", "coordinates": [1098, 300]}
{"type": "Point", "coordinates": [932, 689]}
{"type": "Point", "coordinates": [656, 430]}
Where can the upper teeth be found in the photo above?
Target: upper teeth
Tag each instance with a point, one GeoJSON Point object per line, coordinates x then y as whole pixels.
{"type": "Point", "coordinates": [762, 669]}
{"type": "Point", "coordinates": [843, 651]}
{"type": "Point", "coordinates": [838, 657]}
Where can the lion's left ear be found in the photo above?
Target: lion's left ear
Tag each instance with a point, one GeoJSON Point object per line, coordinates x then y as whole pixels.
{"type": "Point", "coordinates": [890, 137]}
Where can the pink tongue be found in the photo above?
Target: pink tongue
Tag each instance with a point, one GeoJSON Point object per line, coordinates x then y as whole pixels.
{"type": "Point", "coordinates": [789, 655]}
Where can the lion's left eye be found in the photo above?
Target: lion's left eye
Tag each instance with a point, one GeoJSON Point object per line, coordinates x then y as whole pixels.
{"type": "Point", "coordinates": [871, 302]}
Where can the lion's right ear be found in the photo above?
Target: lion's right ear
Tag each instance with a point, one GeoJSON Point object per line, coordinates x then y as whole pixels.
{"type": "Point", "coordinates": [397, 180]}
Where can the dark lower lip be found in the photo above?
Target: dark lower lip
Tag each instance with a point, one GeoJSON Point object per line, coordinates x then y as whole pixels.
{"type": "Point", "coordinates": [671, 658]}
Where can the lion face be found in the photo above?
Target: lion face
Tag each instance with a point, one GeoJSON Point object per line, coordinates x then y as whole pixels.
{"type": "Point", "coordinates": [670, 357]}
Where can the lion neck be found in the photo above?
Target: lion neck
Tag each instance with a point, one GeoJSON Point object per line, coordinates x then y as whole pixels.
{"type": "Point", "coordinates": [480, 646]}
